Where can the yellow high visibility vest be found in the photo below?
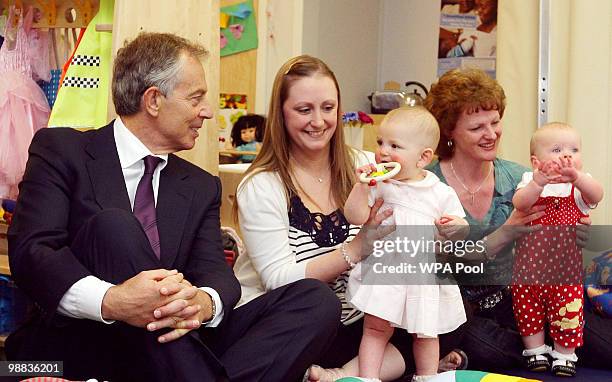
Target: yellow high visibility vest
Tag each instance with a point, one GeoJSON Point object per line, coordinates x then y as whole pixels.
{"type": "Point", "coordinates": [82, 100]}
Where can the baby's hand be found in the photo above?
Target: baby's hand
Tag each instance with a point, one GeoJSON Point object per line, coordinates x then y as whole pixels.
{"type": "Point", "coordinates": [452, 227]}
{"type": "Point", "coordinates": [367, 169]}
{"type": "Point", "coordinates": [546, 172]}
{"type": "Point", "coordinates": [567, 172]}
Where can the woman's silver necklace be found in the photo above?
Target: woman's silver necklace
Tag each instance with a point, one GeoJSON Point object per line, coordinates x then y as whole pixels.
{"type": "Point", "coordinates": [471, 193]}
{"type": "Point", "coordinates": [319, 179]}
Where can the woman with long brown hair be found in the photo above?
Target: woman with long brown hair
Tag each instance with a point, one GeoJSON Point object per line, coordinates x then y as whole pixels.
{"type": "Point", "coordinates": [290, 208]}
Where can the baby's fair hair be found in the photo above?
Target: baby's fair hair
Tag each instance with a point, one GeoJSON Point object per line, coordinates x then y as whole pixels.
{"type": "Point", "coordinates": [549, 127]}
{"type": "Point", "coordinates": [417, 122]}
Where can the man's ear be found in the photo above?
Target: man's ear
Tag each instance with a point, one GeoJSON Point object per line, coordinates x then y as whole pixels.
{"type": "Point", "coordinates": [151, 101]}
{"type": "Point", "coordinates": [426, 157]}
{"type": "Point", "coordinates": [535, 163]}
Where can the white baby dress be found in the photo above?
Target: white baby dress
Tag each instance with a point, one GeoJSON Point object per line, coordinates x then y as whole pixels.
{"type": "Point", "coordinates": [424, 308]}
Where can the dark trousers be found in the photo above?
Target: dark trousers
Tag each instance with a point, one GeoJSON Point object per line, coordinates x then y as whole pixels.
{"type": "Point", "coordinates": [272, 338]}
{"type": "Point", "coordinates": [492, 341]}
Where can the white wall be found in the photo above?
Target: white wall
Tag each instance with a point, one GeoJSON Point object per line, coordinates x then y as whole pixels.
{"type": "Point", "coordinates": [365, 42]}
{"type": "Point", "coordinates": [345, 34]}
{"type": "Point", "coordinates": [409, 41]}
{"type": "Point", "coordinates": [280, 38]}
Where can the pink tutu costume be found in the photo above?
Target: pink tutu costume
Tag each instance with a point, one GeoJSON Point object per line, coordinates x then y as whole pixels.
{"type": "Point", "coordinates": [23, 107]}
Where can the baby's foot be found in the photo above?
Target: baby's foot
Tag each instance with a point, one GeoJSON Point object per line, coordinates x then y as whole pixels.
{"type": "Point", "coordinates": [318, 374]}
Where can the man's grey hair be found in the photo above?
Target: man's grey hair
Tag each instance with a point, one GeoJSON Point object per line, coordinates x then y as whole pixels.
{"type": "Point", "coordinates": [151, 59]}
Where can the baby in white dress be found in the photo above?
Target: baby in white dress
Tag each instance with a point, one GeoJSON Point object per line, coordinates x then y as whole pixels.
{"type": "Point", "coordinates": [420, 201]}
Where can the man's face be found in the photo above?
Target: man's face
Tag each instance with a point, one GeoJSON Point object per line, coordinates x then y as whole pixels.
{"type": "Point", "coordinates": [183, 111]}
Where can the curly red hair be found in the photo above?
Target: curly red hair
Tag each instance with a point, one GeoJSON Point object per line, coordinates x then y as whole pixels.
{"type": "Point", "coordinates": [462, 90]}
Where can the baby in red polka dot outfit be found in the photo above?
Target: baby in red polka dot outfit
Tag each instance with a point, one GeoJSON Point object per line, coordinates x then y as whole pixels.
{"type": "Point", "coordinates": [547, 276]}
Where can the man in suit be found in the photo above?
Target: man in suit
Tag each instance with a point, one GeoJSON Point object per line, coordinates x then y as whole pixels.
{"type": "Point", "coordinates": [117, 241]}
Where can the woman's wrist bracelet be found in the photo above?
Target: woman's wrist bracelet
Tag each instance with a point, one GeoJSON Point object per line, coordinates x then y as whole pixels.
{"type": "Point", "coordinates": [488, 256]}
{"type": "Point", "coordinates": [346, 256]}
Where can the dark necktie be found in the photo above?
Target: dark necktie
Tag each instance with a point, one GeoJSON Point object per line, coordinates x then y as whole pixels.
{"type": "Point", "coordinates": [144, 203]}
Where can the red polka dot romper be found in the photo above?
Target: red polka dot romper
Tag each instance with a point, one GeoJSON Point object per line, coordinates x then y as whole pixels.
{"type": "Point", "coordinates": [547, 275]}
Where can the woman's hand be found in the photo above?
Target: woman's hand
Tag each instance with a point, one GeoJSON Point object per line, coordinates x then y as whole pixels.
{"type": "Point", "coordinates": [452, 227]}
{"type": "Point", "coordinates": [583, 231]}
{"type": "Point", "coordinates": [516, 225]}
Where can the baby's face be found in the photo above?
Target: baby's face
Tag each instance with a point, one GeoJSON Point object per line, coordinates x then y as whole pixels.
{"type": "Point", "coordinates": [247, 135]}
{"type": "Point", "coordinates": [559, 143]}
{"type": "Point", "coordinates": [402, 143]}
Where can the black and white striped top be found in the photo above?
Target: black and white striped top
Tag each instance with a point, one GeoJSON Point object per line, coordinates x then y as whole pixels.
{"type": "Point", "coordinates": [313, 234]}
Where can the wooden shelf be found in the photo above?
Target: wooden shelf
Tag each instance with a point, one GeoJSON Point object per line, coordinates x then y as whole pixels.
{"type": "Point", "coordinates": [237, 152]}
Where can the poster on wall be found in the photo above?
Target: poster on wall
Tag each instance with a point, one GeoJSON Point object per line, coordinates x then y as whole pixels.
{"type": "Point", "coordinates": [238, 28]}
{"type": "Point", "coordinates": [468, 35]}
{"type": "Point", "coordinates": [231, 107]}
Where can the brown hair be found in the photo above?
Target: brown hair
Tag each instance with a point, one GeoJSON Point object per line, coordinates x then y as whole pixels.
{"type": "Point", "coordinates": [151, 59]}
{"type": "Point", "coordinates": [274, 154]}
{"type": "Point", "coordinates": [461, 90]}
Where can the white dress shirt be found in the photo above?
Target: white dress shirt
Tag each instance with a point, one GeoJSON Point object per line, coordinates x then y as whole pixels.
{"type": "Point", "coordinates": [84, 298]}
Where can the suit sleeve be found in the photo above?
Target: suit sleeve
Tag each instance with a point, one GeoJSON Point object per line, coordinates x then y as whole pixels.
{"type": "Point", "coordinates": [207, 266]}
{"type": "Point", "coordinates": [41, 262]}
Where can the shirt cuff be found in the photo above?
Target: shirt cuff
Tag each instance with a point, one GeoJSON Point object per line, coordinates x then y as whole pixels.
{"type": "Point", "coordinates": [84, 299]}
{"type": "Point", "coordinates": [216, 320]}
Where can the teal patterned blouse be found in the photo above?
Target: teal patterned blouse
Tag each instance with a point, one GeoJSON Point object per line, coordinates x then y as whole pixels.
{"type": "Point", "coordinates": [498, 271]}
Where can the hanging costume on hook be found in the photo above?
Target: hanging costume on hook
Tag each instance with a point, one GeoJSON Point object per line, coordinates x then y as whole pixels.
{"type": "Point", "coordinates": [23, 106]}
{"type": "Point", "coordinates": [82, 100]}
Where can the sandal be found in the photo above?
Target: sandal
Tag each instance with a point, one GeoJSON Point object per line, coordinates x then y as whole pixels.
{"type": "Point", "coordinates": [464, 359]}
{"type": "Point", "coordinates": [323, 375]}
{"type": "Point", "coordinates": [564, 368]}
{"type": "Point", "coordinates": [445, 365]}
{"type": "Point", "coordinates": [564, 365]}
{"type": "Point", "coordinates": [538, 363]}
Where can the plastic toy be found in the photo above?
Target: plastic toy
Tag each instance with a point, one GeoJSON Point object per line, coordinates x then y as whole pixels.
{"type": "Point", "coordinates": [383, 171]}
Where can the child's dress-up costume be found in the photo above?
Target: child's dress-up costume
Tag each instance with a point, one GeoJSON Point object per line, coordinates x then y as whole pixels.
{"type": "Point", "coordinates": [422, 307]}
{"type": "Point", "coordinates": [547, 276]}
{"type": "Point", "coordinates": [23, 106]}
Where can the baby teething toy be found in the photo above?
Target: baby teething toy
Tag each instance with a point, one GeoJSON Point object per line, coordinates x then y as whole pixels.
{"type": "Point", "coordinates": [383, 171]}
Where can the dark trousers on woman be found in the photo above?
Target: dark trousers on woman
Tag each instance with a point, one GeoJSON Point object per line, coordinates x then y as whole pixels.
{"type": "Point", "coordinates": [492, 341]}
{"type": "Point", "coordinates": [272, 338]}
